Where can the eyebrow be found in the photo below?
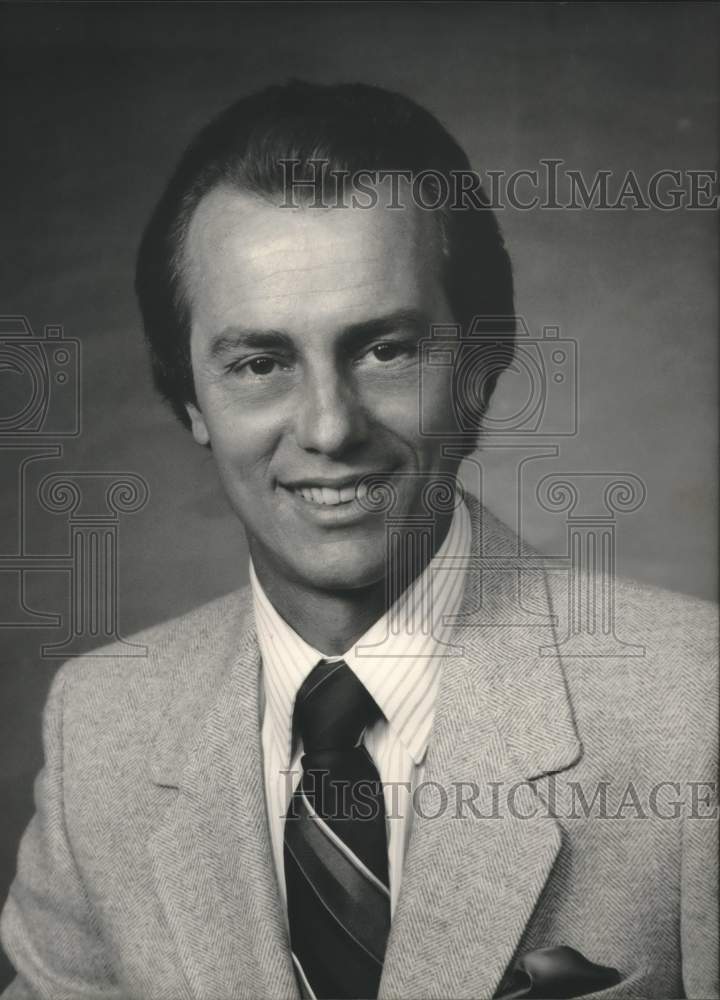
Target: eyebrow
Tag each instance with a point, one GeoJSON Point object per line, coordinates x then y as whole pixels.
{"type": "Point", "coordinates": [233, 337]}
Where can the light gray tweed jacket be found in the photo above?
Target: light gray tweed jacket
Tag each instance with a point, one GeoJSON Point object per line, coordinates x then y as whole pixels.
{"type": "Point", "coordinates": [147, 871]}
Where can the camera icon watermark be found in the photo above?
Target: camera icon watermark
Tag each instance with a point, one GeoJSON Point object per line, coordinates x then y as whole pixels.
{"type": "Point", "coordinates": [41, 383]}
{"type": "Point", "coordinates": [540, 397]}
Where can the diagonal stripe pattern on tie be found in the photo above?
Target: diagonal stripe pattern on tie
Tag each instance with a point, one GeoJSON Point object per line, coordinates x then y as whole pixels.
{"type": "Point", "coordinates": [335, 846]}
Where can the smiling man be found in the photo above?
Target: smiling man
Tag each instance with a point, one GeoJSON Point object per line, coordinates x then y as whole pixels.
{"type": "Point", "coordinates": [371, 772]}
{"type": "Point", "coordinates": [306, 327]}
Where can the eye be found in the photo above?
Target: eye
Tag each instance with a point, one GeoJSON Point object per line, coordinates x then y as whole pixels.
{"type": "Point", "coordinates": [391, 350]}
{"type": "Point", "coordinates": [261, 366]}
{"type": "Point", "coordinates": [386, 352]}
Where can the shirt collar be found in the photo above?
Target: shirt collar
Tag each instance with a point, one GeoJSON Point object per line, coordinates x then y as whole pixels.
{"type": "Point", "coordinates": [398, 659]}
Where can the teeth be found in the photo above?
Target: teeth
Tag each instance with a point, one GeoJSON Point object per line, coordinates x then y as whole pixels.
{"type": "Point", "coordinates": [329, 497]}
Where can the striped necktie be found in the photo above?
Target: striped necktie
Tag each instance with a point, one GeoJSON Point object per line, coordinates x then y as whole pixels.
{"type": "Point", "coordinates": [335, 847]}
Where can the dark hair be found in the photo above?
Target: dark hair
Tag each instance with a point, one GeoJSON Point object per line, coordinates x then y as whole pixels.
{"type": "Point", "coordinates": [353, 127]}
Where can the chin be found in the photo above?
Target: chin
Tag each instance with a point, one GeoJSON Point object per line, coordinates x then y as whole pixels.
{"type": "Point", "coordinates": [344, 570]}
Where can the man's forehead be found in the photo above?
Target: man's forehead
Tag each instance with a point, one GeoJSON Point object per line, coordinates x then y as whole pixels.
{"type": "Point", "coordinates": [264, 250]}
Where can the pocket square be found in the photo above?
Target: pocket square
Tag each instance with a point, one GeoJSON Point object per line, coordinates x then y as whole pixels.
{"type": "Point", "coordinates": [555, 974]}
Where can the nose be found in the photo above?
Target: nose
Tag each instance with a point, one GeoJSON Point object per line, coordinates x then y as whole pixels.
{"type": "Point", "coordinates": [330, 419]}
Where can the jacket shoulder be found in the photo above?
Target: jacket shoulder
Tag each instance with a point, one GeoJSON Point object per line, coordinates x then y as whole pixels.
{"type": "Point", "coordinates": [167, 660]}
{"type": "Point", "coordinates": [676, 625]}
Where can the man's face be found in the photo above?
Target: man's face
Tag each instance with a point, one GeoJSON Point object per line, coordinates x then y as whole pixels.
{"type": "Point", "coordinates": [304, 345]}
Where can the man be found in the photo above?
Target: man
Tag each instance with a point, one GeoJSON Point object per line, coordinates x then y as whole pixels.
{"type": "Point", "coordinates": [239, 815]}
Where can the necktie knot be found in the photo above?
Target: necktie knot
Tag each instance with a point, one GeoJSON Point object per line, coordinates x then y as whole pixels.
{"type": "Point", "coordinates": [333, 708]}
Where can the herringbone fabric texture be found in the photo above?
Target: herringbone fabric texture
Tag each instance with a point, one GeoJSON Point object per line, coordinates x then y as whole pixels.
{"type": "Point", "coordinates": [336, 862]}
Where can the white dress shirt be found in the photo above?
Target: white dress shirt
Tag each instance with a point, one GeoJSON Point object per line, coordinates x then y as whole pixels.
{"type": "Point", "coordinates": [398, 660]}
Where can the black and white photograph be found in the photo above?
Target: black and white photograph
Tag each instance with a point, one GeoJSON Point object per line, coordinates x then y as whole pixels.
{"type": "Point", "coordinates": [359, 548]}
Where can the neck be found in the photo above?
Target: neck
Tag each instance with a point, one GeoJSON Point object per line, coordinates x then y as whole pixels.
{"type": "Point", "coordinates": [329, 621]}
{"type": "Point", "coordinates": [332, 621]}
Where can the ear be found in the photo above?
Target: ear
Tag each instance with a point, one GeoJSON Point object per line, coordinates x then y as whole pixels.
{"type": "Point", "coordinates": [197, 421]}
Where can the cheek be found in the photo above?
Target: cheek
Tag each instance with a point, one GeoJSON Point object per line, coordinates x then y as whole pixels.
{"type": "Point", "coordinates": [416, 410]}
{"type": "Point", "coordinates": [435, 405]}
{"type": "Point", "coordinates": [242, 444]}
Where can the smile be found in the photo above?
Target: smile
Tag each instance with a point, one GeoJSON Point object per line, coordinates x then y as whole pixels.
{"type": "Point", "coordinates": [328, 496]}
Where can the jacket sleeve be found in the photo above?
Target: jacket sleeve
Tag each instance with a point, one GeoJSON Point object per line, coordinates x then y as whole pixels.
{"type": "Point", "coordinates": [47, 927]}
{"type": "Point", "coordinates": [699, 890]}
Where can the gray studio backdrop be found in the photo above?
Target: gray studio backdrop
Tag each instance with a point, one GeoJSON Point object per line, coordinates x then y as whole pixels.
{"type": "Point", "coordinates": [98, 102]}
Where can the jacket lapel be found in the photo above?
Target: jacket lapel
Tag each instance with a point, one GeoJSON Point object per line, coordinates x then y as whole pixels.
{"type": "Point", "coordinates": [211, 854]}
{"type": "Point", "coordinates": [473, 874]}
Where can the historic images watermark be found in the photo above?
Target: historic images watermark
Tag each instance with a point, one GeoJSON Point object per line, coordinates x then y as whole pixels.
{"type": "Point", "coordinates": [495, 800]}
{"type": "Point", "coordinates": [41, 411]}
{"type": "Point", "coordinates": [551, 185]}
